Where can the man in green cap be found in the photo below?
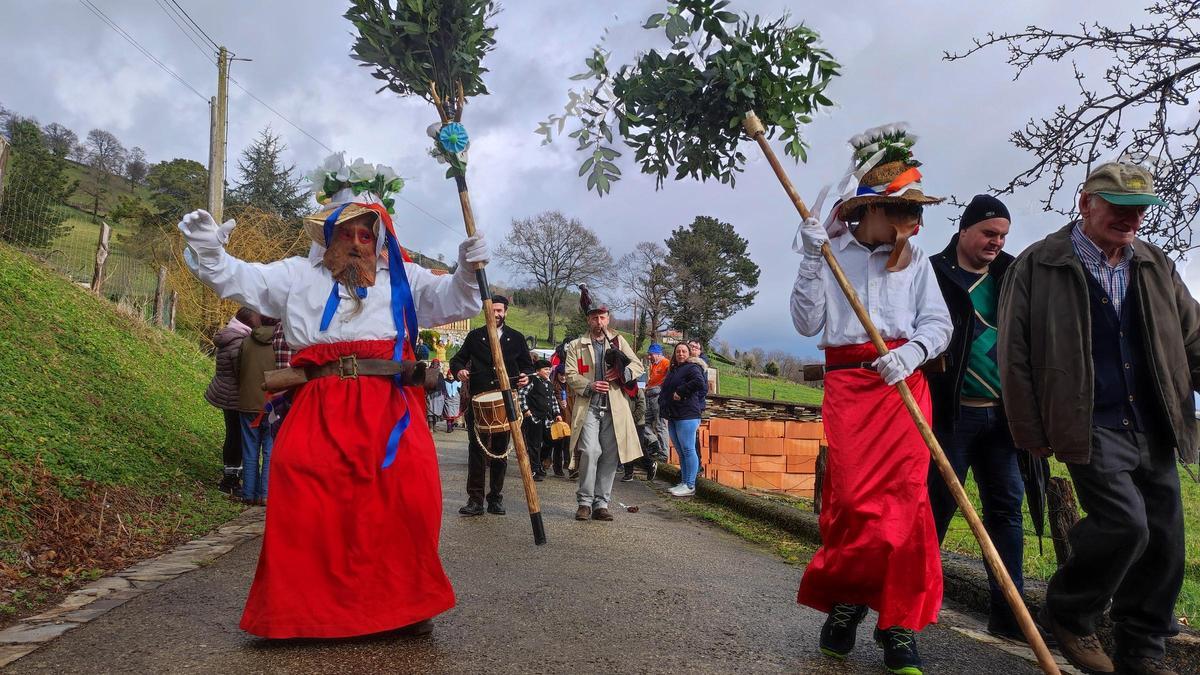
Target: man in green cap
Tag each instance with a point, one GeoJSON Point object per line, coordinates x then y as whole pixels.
{"type": "Point", "coordinates": [1099, 353]}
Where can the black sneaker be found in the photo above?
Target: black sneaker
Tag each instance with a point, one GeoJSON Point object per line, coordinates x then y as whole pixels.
{"type": "Point", "coordinates": [899, 650]}
{"type": "Point", "coordinates": [652, 471]}
{"type": "Point", "coordinates": [838, 633]}
{"type": "Point", "coordinates": [628, 477]}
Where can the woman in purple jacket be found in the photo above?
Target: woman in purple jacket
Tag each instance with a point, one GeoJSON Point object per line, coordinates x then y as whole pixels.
{"type": "Point", "coordinates": [680, 403]}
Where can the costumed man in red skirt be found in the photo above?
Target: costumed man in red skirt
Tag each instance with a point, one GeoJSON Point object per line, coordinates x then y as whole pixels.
{"type": "Point", "coordinates": [351, 540]}
{"type": "Point", "coordinates": [879, 545]}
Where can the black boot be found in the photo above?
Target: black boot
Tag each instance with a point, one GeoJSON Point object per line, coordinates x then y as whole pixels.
{"type": "Point", "coordinates": [472, 508]}
{"type": "Point", "coordinates": [899, 650]}
{"type": "Point", "coordinates": [496, 507]}
{"type": "Point", "coordinates": [839, 631]}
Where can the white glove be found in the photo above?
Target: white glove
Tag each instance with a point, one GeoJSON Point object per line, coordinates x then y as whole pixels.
{"type": "Point", "coordinates": [813, 236]}
{"type": "Point", "coordinates": [473, 250]}
{"type": "Point", "coordinates": [203, 235]}
{"type": "Point", "coordinates": [899, 363]}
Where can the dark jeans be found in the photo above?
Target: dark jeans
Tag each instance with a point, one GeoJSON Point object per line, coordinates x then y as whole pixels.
{"type": "Point", "coordinates": [1128, 548]}
{"type": "Point", "coordinates": [538, 444]}
{"type": "Point", "coordinates": [561, 453]}
{"type": "Point", "coordinates": [981, 441]}
{"type": "Point", "coordinates": [479, 463]}
{"type": "Point", "coordinates": [231, 452]}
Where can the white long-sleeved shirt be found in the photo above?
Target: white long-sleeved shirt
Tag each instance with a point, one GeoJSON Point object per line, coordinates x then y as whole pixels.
{"type": "Point", "coordinates": [903, 305]}
{"type": "Point", "coordinates": [295, 291]}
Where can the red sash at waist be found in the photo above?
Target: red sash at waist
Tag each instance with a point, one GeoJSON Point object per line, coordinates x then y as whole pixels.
{"type": "Point", "coordinates": [835, 356]}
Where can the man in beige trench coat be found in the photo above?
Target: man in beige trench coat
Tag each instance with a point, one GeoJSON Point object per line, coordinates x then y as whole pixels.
{"type": "Point", "coordinates": [602, 427]}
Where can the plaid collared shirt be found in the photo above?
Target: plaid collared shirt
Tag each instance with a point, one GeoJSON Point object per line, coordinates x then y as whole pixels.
{"type": "Point", "coordinates": [283, 353]}
{"type": "Point", "coordinates": [1114, 279]}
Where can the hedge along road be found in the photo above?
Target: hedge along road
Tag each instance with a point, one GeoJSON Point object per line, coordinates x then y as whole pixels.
{"type": "Point", "coordinates": [652, 592]}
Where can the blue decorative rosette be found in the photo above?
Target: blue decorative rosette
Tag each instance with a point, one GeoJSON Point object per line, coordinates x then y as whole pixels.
{"type": "Point", "coordinates": [453, 138]}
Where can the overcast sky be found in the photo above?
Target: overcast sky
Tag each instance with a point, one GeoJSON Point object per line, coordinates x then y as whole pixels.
{"type": "Point", "coordinates": [62, 64]}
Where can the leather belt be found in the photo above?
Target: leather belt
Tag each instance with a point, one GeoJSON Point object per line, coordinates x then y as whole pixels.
{"type": "Point", "coordinates": [413, 373]}
{"type": "Point", "coordinates": [350, 367]}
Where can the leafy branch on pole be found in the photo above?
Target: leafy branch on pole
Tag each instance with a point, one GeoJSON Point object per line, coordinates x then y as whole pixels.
{"type": "Point", "coordinates": [434, 49]}
{"type": "Point", "coordinates": [681, 110]}
{"type": "Point", "coordinates": [685, 111]}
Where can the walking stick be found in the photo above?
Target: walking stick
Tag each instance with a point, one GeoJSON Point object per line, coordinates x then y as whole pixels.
{"type": "Point", "coordinates": [755, 130]}
{"type": "Point", "coordinates": [510, 407]}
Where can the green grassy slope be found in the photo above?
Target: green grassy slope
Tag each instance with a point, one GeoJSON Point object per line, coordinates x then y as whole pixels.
{"type": "Point", "coordinates": [92, 400]}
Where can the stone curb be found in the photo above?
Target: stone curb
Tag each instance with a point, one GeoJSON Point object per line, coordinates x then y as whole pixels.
{"type": "Point", "coordinates": [103, 595]}
{"type": "Point", "coordinates": [964, 578]}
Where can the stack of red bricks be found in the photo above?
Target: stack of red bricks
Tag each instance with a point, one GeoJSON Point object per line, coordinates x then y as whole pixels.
{"type": "Point", "coordinates": [775, 455]}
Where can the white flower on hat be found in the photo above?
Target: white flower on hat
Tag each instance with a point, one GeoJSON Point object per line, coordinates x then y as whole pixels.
{"type": "Point", "coordinates": [433, 129]}
{"type": "Point", "coordinates": [334, 162]}
{"type": "Point", "coordinates": [386, 171]}
{"type": "Point", "coordinates": [361, 171]}
{"type": "Point", "coordinates": [858, 140]}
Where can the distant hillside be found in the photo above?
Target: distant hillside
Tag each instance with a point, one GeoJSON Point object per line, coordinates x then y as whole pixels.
{"type": "Point", "coordinates": [110, 452]}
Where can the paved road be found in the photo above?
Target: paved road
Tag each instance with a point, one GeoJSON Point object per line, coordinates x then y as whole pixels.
{"type": "Point", "coordinates": [652, 592]}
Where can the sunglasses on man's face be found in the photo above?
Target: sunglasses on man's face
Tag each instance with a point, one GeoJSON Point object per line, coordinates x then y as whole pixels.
{"type": "Point", "coordinates": [903, 211]}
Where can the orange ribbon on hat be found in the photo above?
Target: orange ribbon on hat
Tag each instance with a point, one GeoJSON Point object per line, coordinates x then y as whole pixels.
{"type": "Point", "coordinates": [907, 178]}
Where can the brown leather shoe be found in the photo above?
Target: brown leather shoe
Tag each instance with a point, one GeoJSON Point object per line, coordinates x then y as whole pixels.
{"type": "Point", "coordinates": [583, 513]}
{"type": "Point", "coordinates": [1143, 665]}
{"type": "Point", "coordinates": [601, 514]}
{"type": "Point", "coordinates": [1083, 651]}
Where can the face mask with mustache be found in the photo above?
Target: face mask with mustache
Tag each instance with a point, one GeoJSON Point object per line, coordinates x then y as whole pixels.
{"type": "Point", "coordinates": [351, 257]}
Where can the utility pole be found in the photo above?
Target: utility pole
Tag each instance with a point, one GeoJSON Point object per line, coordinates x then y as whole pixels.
{"type": "Point", "coordinates": [217, 138]}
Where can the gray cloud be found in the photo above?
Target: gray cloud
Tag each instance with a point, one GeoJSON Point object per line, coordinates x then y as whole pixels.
{"type": "Point", "coordinates": [74, 70]}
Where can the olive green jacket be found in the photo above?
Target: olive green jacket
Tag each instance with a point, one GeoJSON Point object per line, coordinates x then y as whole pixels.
{"type": "Point", "coordinates": [1045, 346]}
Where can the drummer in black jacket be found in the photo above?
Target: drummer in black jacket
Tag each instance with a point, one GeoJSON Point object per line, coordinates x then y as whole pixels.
{"type": "Point", "coordinates": [473, 364]}
{"type": "Point", "coordinates": [968, 415]}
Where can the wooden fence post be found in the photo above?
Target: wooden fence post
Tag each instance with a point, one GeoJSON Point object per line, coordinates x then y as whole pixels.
{"type": "Point", "coordinates": [1063, 514]}
{"type": "Point", "coordinates": [160, 296]}
{"type": "Point", "coordinates": [819, 478]}
{"type": "Point", "coordinates": [4, 155]}
{"type": "Point", "coordinates": [171, 313]}
{"type": "Point", "coordinates": [101, 257]}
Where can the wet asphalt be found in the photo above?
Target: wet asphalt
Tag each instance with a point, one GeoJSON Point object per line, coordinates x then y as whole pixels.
{"type": "Point", "coordinates": [655, 591]}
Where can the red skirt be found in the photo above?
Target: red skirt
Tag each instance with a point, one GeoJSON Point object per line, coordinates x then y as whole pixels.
{"type": "Point", "coordinates": [350, 548]}
{"type": "Point", "coordinates": [879, 546]}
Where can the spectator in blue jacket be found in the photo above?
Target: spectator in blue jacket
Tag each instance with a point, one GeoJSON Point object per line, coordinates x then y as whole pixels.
{"type": "Point", "coordinates": [680, 402]}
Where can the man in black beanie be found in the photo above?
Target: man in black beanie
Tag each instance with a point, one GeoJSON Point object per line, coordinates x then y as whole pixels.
{"type": "Point", "coordinates": [968, 416]}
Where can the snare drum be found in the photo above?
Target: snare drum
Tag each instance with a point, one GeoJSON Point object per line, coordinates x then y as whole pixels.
{"type": "Point", "coordinates": [488, 409]}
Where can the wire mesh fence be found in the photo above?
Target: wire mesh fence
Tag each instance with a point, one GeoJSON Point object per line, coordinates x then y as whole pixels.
{"type": "Point", "coordinates": [68, 240]}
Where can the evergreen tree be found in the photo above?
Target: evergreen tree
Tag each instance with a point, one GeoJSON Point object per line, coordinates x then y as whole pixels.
{"type": "Point", "coordinates": [266, 183]}
{"type": "Point", "coordinates": [36, 186]}
{"type": "Point", "coordinates": [713, 277]}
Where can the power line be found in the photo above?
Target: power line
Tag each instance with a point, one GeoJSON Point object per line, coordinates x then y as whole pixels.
{"type": "Point", "coordinates": [196, 25]}
{"type": "Point", "coordinates": [187, 34]}
{"type": "Point", "coordinates": [129, 38]}
{"type": "Point", "coordinates": [279, 114]}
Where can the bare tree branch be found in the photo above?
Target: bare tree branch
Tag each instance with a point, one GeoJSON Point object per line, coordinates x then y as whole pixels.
{"type": "Point", "coordinates": [1148, 111]}
{"type": "Point", "coordinates": [554, 253]}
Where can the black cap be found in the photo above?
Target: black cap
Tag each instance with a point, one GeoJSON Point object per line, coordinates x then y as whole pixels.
{"type": "Point", "coordinates": [541, 363]}
{"type": "Point", "coordinates": [981, 208]}
{"type": "Point", "coordinates": [498, 299]}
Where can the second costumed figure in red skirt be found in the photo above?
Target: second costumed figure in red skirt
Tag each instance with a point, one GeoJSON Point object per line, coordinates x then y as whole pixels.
{"type": "Point", "coordinates": [879, 545]}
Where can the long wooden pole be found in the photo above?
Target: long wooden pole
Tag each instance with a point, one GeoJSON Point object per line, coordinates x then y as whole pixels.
{"type": "Point", "coordinates": [510, 407]}
{"type": "Point", "coordinates": [756, 131]}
